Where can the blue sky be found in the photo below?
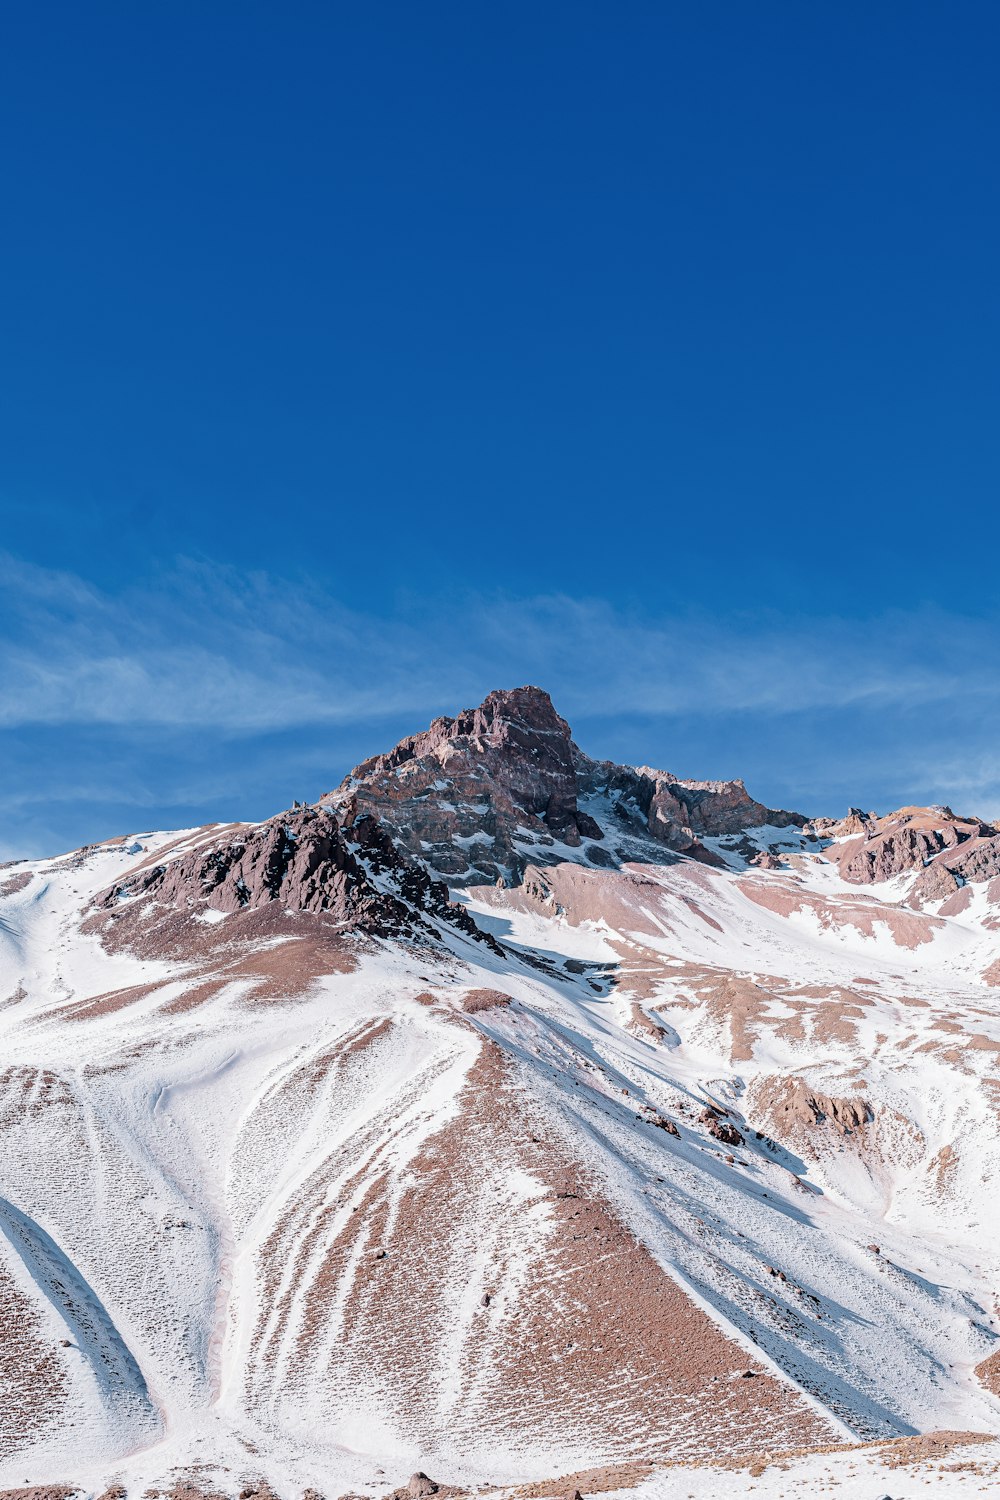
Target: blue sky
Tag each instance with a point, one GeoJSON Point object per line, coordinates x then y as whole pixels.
{"type": "Point", "coordinates": [359, 359]}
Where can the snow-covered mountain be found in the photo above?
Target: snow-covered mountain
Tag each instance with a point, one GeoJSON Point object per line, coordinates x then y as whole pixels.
{"type": "Point", "coordinates": [506, 1115]}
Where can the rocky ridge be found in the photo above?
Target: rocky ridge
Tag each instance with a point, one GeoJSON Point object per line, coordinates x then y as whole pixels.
{"type": "Point", "coordinates": [943, 850]}
{"type": "Point", "coordinates": [480, 796]}
{"type": "Point", "coordinates": [502, 789]}
{"type": "Point", "coordinates": [303, 860]}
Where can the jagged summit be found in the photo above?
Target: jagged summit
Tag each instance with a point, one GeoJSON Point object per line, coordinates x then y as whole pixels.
{"type": "Point", "coordinates": [481, 796]}
{"type": "Point", "coordinates": [465, 794]}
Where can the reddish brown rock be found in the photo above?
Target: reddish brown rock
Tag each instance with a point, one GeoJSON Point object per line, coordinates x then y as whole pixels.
{"type": "Point", "coordinates": [467, 791]}
{"type": "Point", "coordinates": [479, 1000]}
{"type": "Point", "coordinates": [12, 884]}
{"type": "Point", "coordinates": [976, 859]}
{"type": "Point", "coordinates": [481, 796]}
{"type": "Point", "coordinates": [303, 861]}
{"type": "Point", "coordinates": [41, 1492]}
{"type": "Point", "coordinates": [720, 1127]}
{"type": "Point", "coordinates": [946, 849]}
{"type": "Point", "coordinates": [790, 1104]}
{"type": "Point", "coordinates": [988, 1373]}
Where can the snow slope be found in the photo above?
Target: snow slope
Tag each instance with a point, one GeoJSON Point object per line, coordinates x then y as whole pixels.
{"type": "Point", "coordinates": [694, 1161]}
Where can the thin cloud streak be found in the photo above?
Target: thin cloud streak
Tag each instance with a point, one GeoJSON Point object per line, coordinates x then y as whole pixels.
{"type": "Point", "coordinates": [246, 655]}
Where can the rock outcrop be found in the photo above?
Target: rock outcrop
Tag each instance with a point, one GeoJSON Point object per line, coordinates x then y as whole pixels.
{"type": "Point", "coordinates": [946, 851]}
{"type": "Point", "coordinates": [469, 794]}
{"type": "Point", "coordinates": [304, 861]}
{"type": "Point", "coordinates": [480, 796]}
{"type": "Point", "coordinates": [976, 859]}
{"type": "Point", "coordinates": [676, 812]}
{"type": "Point", "coordinates": [793, 1109]}
{"type": "Point", "coordinates": [717, 1123]}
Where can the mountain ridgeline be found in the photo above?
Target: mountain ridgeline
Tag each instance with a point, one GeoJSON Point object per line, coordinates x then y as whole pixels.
{"type": "Point", "coordinates": [506, 1115]}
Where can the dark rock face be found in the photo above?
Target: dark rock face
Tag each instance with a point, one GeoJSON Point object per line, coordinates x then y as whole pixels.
{"type": "Point", "coordinates": [463, 794]}
{"type": "Point", "coordinates": [481, 796]}
{"type": "Point", "coordinates": [304, 861]}
{"type": "Point", "coordinates": [976, 859]}
{"type": "Point", "coordinates": [299, 858]}
{"type": "Point", "coordinates": [676, 812]}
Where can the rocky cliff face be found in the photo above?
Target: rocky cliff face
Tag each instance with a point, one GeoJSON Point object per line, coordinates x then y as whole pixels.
{"type": "Point", "coordinates": [481, 796]}
{"type": "Point", "coordinates": [303, 861]}
{"type": "Point", "coordinates": [946, 851]}
{"type": "Point", "coordinates": [677, 812]}
{"type": "Point", "coordinates": [469, 793]}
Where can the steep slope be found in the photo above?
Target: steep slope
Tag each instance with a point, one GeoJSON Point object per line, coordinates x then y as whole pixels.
{"type": "Point", "coordinates": [351, 875]}
{"type": "Point", "coordinates": [313, 1172]}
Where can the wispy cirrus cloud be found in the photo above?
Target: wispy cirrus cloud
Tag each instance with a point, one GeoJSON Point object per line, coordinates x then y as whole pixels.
{"type": "Point", "coordinates": [244, 654]}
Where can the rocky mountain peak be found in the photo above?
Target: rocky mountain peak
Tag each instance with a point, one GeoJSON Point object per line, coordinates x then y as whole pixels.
{"type": "Point", "coordinates": [506, 715]}
{"type": "Point", "coordinates": [467, 793]}
{"type": "Point", "coordinates": [481, 796]}
{"type": "Point", "coordinates": [945, 849]}
{"type": "Point", "coordinates": [518, 721]}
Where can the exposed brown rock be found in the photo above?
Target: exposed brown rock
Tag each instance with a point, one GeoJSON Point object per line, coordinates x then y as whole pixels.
{"type": "Point", "coordinates": [187, 1487]}
{"type": "Point", "coordinates": [41, 1492]}
{"type": "Point", "coordinates": [988, 1373]}
{"type": "Point", "coordinates": [908, 928]}
{"type": "Point", "coordinates": [15, 883]}
{"type": "Point", "coordinates": [302, 861]}
{"type": "Point", "coordinates": [662, 1122]}
{"type": "Point", "coordinates": [495, 774]}
{"type": "Point", "coordinates": [791, 1106]}
{"type": "Point", "coordinates": [479, 1000]}
{"type": "Point", "coordinates": [33, 1384]}
{"type": "Point", "coordinates": [976, 859]}
{"type": "Point", "coordinates": [924, 1447]}
{"type": "Point", "coordinates": [947, 850]}
{"type": "Point", "coordinates": [645, 1025]}
{"type": "Point", "coordinates": [721, 1128]}
{"type": "Point", "coordinates": [480, 796]}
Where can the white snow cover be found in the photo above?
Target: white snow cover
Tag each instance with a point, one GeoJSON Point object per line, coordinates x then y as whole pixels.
{"type": "Point", "coordinates": [156, 1151]}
